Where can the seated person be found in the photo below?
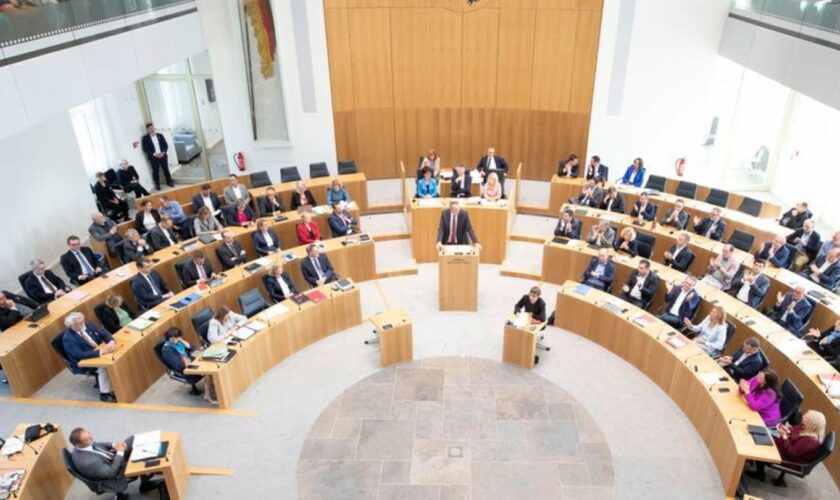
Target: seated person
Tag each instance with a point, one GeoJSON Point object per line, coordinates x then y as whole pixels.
{"type": "Point", "coordinates": [205, 223]}
{"type": "Point", "coordinates": [595, 170]}
{"type": "Point", "coordinates": [105, 463]}
{"type": "Point", "coordinates": [774, 252]}
{"type": "Point", "coordinates": [177, 354]}
{"type": "Point", "coordinates": [79, 263]}
{"type": "Point", "coordinates": [710, 334]}
{"type": "Point", "coordinates": [763, 394]}
{"type": "Point", "coordinates": [223, 324]}
{"type": "Point", "coordinates": [826, 247]}
{"type": "Point", "coordinates": [271, 203]}
{"type": "Point", "coordinates": [798, 444]}
{"type": "Point", "coordinates": [105, 230]}
{"type": "Point", "coordinates": [491, 162]}
{"type": "Point", "coordinates": [176, 214]}
{"type": "Point", "coordinates": [601, 234]}
{"type": "Point", "coordinates": [492, 190]}
{"type": "Point", "coordinates": [162, 235]}
{"type": "Point", "coordinates": [147, 217]}
{"type": "Point", "coordinates": [230, 252]}
{"type": "Point", "coordinates": [635, 174]}
{"type": "Point", "coordinates": [643, 208]}
{"type": "Point", "coordinates": [81, 340]}
{"type": "Point", "coordinates": [307, 230]}
{"type": "Point", "coordinates": [42, 285]}
{"type": "Point", "coordinates": [265, 239]}
{"type": "Point", "coordinates": [825, 270]}
{"type": "Point", "coordinates": [796, 216]}
{"type": "Point", "coordinates": [431, 161]}
{"type": "Point", "coordinates": [826, 343]}
{"type": "Point", "coordinates": [461, 183]}
{"type": "Point", "coordinates": [14, 308]}
{"type": "Point", "coordinates": [746, 362]}
{"type": "Point", "coordinates": [752, 285]}
{"type": "Point", "coordinates": [626, 242]}
{"type": "Point", "coordinates": [236, 192]}
{"type": "Point", "coordinates": [681, 302]}
{"type": "Point", "coordinates": [567, 226]}
{"type": "Point", "coordinates": [600, 272]}
{"type": "Point", "coordinates": [198, 270]}
{"type": "Point", "coordinates": [148, 287]}
{"type": "Point", "coordinates": [679, 256]}
{"type": "Point", "coordinates": [341, 222]}
{"type": "Point", "coordinates": [302, 197]}
{"type": "Point", "coordinates": [807, 242]}
{"type": "Point", "coordinates": [711, 227]}
{"type": "Point", "coordinates": [116, 313]}
{"type": "Point", "coordinates": [568, 167]}
{"type": "Point", "coordinates": [641, 286]}
{"type": "Point", "coordinates": [130, 180]}
{"type": "Point", "coordinates": [792, 310]}
{"type": "Point", "coordinates": [278, 283]}
{"type": "Point", "coordinates": [676, 216]}
{"type": "Point", "coordinates": [427, 186]}
{"type": "Point", "coordinates": [108, 199]}
{"type": "Point", "coordinates": [612, 201]}
{"type": "Point", "coordinates": [336, 192]}
{"type": "Point", "coordinates": [316, 268]}
{"type": "Point", "coordinates": [590, 195]}
{"type": "Point", "coordinates": [239, 214]}
{"type": "Point", "coordinates": [135, 246]}
{"type": "Point", "coordinates": [723, 268]}
{"type": "Point", "coordinates": [532, 304]}
{"type": "Point", "coordinates": [207, 198]}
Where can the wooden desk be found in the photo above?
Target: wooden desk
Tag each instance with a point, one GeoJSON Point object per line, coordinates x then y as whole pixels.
{"type": "Point", "coordinates": [711, 411]}
{"type": "Point", "coordinates": [458, 278]}
{"type": "Point", "coordinates": [355, 184]}
{"type": "Point", "coordinates": [135, 367]}
{"type": "Point", "coordinates": [184, 195]}
{"type": "Point", "coordinates": [174, 467]}
{"type": "Point", "coordinates": [396, 344]}
{"type": "Point", "coordinates": [287, 333]}
{"type": "Point", "coordinates": [45, 477]}
{"type": "Point", "coordinates": [445, 187]}
{"type": "Point", "coordinates": [520, 343]}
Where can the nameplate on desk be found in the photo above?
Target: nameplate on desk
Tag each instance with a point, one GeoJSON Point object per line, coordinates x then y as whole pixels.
{"type": "Point", "coordinates": [288, 257]}
{"type": "Point", "coordinates": [560, 240]}
{"type": "Point", "coordinates": [364, 238]}
{"type": "Point", "coordinates": [280, 218]}
{"type": "Point", "coordinates": [189, 246]}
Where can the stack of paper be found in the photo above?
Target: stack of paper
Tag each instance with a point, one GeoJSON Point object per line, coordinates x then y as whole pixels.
{"type": "Point", "coordinates": [13, 445]}
{"type": "Point", "coordinates": [145, 445]}
{"type": "Point", "coordinates": [275, 310]}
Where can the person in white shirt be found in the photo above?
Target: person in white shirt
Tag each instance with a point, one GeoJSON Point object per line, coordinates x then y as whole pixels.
{"type": "Point", "coordinates": [223, 324]}
{"type": "Point", "coordinates": [235, 191]}
{"type": "Point", "coordinates": [712, 331]}
{"type": "Point", "coordinates": [723, 268]}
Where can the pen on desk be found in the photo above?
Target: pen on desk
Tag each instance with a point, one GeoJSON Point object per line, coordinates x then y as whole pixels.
{"type": "Point", "coordinates": [685, 361]}
{"type": "Point", "coordinates": [734, 419]}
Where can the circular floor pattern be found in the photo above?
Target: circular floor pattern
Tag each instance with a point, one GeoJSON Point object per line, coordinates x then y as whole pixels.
{"type": "Point", "coordinates": [447, 428]}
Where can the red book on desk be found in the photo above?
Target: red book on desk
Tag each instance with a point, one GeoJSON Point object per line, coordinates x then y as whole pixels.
{"type": "Point", "coordinates": [316, 296]}
{"type": "Point", "coordinates": [678, 341]}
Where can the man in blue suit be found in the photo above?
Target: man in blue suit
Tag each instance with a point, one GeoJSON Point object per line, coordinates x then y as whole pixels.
{"type": "Point", "coordinates": [791, 311]}
{"type": "Point", "coordinates": [316, 268]}
{"type": "Point", "coordinates": [752, 285]}
{"type": "Point", "coordinates": [595, 171]}
{"type": "Point", "coordinates": [746, 362]}
{"type": "Point", "coordinates": [711, 227]}
{"type": "Point", "coordinates": [775, 252]}
{"type": "Point", "coordinates": [340, 221]}
{"type": "Point", "coordinates": [826, 269]}
{"type": "Point", "coordinates": [643, 208]}
{"type": "Point", "coordinates": [681, 302]}
{"type": "Point", "coordinates": [600, 271]}
{"type": "Point", "coordinates": [148, 287]}
{"type": "Point", "coordinates": [81, 340]}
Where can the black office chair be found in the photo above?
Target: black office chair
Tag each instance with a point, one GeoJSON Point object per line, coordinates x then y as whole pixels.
{"type": "Point", "coordinates": [178, 377]}
{"type": "Point", "coordinates": [791, 399]}
{"type": "Point", "coordinates": [741, 240]}
{"type": "Point", "coordinates": [58, 347]}
{"type": "Point", "coordinates": [750, 206]}
{"type": "Point", "coordinates": [21, 279]}
{"type": "Point", "coordinates": [318, 170]}
{"type": "Point", "coordinates": [655, 183]}
{"type": "Point", "coordinates": [179, 270]}
{"type": "Point", "coordinates": [98, 309]}
{"type": "Point", "coordinates": [260, 179]}
{"type": "Point", "coordinates": [252, 302]}
{"type": "Point", "coordinates": [691, 258]}
{"type": "Point", "coordinates": [687, 189]}
{"type": "Point", "coordinates": [111, 179]}
{"type": "Point", "coordinates": [347, 167]}
{"type": "Point", "coordinates": [802, 470]}
{"type": "Point", "coordinates": [97, 487]}
{"type": "Point", "coordinates": [718, 197]}
{"type": "Point", "coordinates": [119, 251]}
{"type": "Point", "coordinates": [188, 228]}
{"type": "Point", "coordinates": [289, 174]}
{"type": "Point", "coordinates": [730, 332]}
{"type": "Point", "coordinates": [201, 322]}
{"type": "Point", "coordinates": [645, 242]}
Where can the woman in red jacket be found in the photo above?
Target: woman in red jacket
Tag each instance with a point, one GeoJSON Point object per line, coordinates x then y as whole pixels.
{"type": "Point", "coordinates": [798, 444]}
{"type": "Point", "coordinates": [307, 230]}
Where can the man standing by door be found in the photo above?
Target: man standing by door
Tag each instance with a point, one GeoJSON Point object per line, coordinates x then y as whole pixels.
{"type": "Point", "coordinates": [155, 147]}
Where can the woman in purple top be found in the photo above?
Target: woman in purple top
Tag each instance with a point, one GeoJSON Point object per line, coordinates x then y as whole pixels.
{"type": "Point", "coordinates": [763, 394]}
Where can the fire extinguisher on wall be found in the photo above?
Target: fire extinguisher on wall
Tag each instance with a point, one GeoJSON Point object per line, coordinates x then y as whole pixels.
{"type": "Point", "coordinates": [239, 160]}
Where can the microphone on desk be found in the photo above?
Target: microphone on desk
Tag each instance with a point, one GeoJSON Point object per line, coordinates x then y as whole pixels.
{"type": "Point", "coordinates": [767, 337]}
{"type": "Point", "coordinates": [712, 386]}
{"type": "Point", "coordinates": [22, 440]}
{"type": "Point", "coordinates": [830, 385]}
{"type": "Point", "coordinates": [685, 361]}
{"type": "Point", "coordinates": [734, 418]}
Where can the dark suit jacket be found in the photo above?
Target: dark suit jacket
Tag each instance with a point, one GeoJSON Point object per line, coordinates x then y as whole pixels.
{"type": "Point", "coordinates": [795, 319]}
{"type": "Point", "coordinates": [231, 218]}
{"type": "Point", "coordinates": [34, 289]}
{"type": "Point", "coordinates": [683, 259]}
{"type": "Point", "coordinates": [228, 258]}
{"type": "Point", "coordinates": [602, 173]}
{"type": "Point", "coordinates": [706, 223]}
{"type": "Point", "coordinates": [594, 200]}
{"type": "Point", "coordinates": [337, 225]}
{"type": "Point", "coordinates": [127, 176]}
{"type": "Point", "coordinates": [748, 368]}
{"type": "Point", "coordinates": [149, 147]}
{"type": "Point", "coordinates": [649, 288]}
{"type": "Point", "coordinates": [682, 219]}
{"type": "Point", "coordinates": [795, 222]}
{"type": "Point", "coordinates": [458, 191]}
{"type": "Point", "coordinates": [634, 251]}
{"type": "Point", "coordinates": [571, 230]}
{"type": "Point", "coordinates": [274, 289]}
{"type": "Point", "coordinates": [157, 237]}
{"type": "Point", "coordinates": [649, 213]}
{"type": "Point", "coordinates": [689, 305]}
{"type": "Point", "coordinates": [110, 321]}
{"type": "Point", "coordinates": [311, 275]}
{"type": "Point", "coordinates": [190, 276]}
{"type": "Point", "coordinates": [463, 228]}
{"type": "Point", "coordinates": [758, 290]}
{"type": "Point", "coordinates": [617, 205]}
{"type": "Point", "coordinates": [146, 298]}
{"type": "Point", "coordinates": [560, 169]}
{"type": "Point", "coordinates": [606, 279]}
{"type": "Point", "coordinates": [172, 359]}
{"type": "Point", "coordinates": [110, 473]}
{"type": "Point", "coordinates": [130, 251]}
{"type": "Point", "coordinates": [537, 309]}
{"type": "Point", "coordinates": [198, 202]}
{"type": "Point", "coordinates": [830, 276]}
{"type": "Point", "coordinates": [296, 199]}
{"type": "Point", "coordinates": [501, 167]}
{"type": "Point", "coordinates": [779, 259]}
{"type": "Point", "coordinates": [812, 246]}
{"type": "Point", "coordinates": [9, 317]}
{"type": "Point", "coordinates": [77, 349]}
{"type": "Point", "coordinates": [260, 245]}
{"type": "Point", "coordinates": [71, 264]}
{"type": "Point", "coordinates": [138, 220]}
{"type": "Point", "coordinates": [268, 208]}
{"type": "Point", "coordinates": [105, 194]}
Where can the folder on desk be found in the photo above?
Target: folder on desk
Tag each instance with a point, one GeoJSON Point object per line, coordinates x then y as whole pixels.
{"type": "Point", "coordinates": [316, 296]}
{"type": "Point", "coordinates": [253, 267]}
{"type": "Point", "coordinates": [280, 218]}
{"type": "Point", "coordinates": [76, 295]}
{"type": "Point", "coordinates": [207, 238]}
{"type": "Point", "coordinates": [288, 257]}
{"type": "Point", "coordinates": [147, 445]}
{"type": "Point", "coordinates": [188, 247]}
{"type": "Point", "coordinates": [582, 289]}
{"type": "Point", "coordinates": [816, 294]}
{"type": "Point", "coordinates": [184, 302]}
{"type": "Point", "coordinates": [678, 341]}
{"type": "Point", "coordinates": [299, 298]}
{"type": "Point", "coordinates": [364, 238]}
{"type": "Point", "coordinates": [215, 352]}
{"type": "Point", "coordinates": [344, 285]}
{"type": "Point", "coordinates": [140, 324]}
{"type": "Point", "coordinates": [10, 482]}
{"type": "Point", "coordinates": [560, 240]}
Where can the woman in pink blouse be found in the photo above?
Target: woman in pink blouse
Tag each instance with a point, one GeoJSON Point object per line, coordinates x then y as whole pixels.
{"type": "Point", "coordinates": [763, 394]}
{"type": "Point", "coordinates": [493, 188]}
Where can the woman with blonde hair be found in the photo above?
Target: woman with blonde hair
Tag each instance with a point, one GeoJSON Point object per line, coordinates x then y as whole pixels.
{"type": "Point", "coordinates": [431, 160]}
{"type": "Point", "coordinates": [493, 188]}
{"type": "Point", "coordinates": [711, 332]}
{"type": "Point", "coordinates": [115, 314]}
{"type": "Point", "coordinates": [626, 242]}
{"type": "Point", "coordinates": [797, 444]}
{"type": "Point", "coordinates": [336, 193]}
{"type": "Point", "coordinates": [205, 223]}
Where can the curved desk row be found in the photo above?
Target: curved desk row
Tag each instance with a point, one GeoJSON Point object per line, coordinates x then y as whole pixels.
{"type": "Point", "coordinates": [184, 194]}
{"type": "Point", "coordinates": [721, 418]}
{"type": "Point", "coordinates": [355, 184]}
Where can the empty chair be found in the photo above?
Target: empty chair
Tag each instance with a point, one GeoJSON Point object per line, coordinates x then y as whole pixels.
{"type": "Point", "coordinates": [791, 399]}
{"type": "Point", "coordinates": [318, 170]}
{"type": "Point", "coordinates": [655, 183]}
{"type": "Point", "coordinates": [687, 189]}
{"type": "Point", "coordinates": [98, 487]}
{"type": "Point", "coordinates": [188, 229]}
{"type": "Point", "coordinates": [347, 167]}
{"type": "Point", "coordinates": [179, 270]}
{"type": "Point", "coordinates": [741, 240]}
{"type": "Point", "coordinates": [645, 242]}
{"type": "Point", "coordinates": [751, 206]}
{"type": "Point", "coordinates": [119, 251]}
{"type": "Point", "coordinates": [252, 302]}
{"type": "Point", "coordinates": [178, 377]}
{"type": "Point", "coordinates": [260, 179]}
{"type": "Point", "coordinates": [21, 279]}
{"type": "Point", "coordinates": [200, 323]}
{"type": "Point", "coordinates": [718, 197]}
{"type": "Point", "coordinates": [289, 174]}
{"type": "Point", "coordinates": [802, 470]}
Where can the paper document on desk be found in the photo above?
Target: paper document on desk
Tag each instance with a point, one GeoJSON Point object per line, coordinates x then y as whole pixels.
{"type": "Point", "coordinates": [13, 445]}
{"type": "Point", "coordinates": [709, 378]}
{"type": "Point", "coordinates": [275, 310]}
{"type": "Point", "coordinates": [264, 262]}
{"type": "Point", "coordinates": [428, 202]}
{"type": "Point", "coordinates": [792, 347]}
{"type": "Point", "coordinates": [145, 445]}
{"type": "Point", "coordinates": [76, 295]}
{"type": "Point", "coordinates": [243, 333]}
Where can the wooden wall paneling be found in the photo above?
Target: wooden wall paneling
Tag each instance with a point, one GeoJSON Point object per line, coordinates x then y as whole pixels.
{"type": "Point", "coordinates": [335, 4]}
{"type": "Point", "coordinates": [413, 3]}
{"type": "Point", "coordinates": [345, 134]}
{"type": "Point", "coordinates": [363, 4]}
{"type": "Point", "coordinates": [478, 124]}
{"type": "Point", "coordinates": [370, 45]}
{"type": "Point", "coordinates": [557, 4]}
{"type": "Point", "coordinates": [341, 73]}
{"type": "Point", "coordinates": [443, 40]}
{"type": "Point", "coordinates": [596, 5]}
{"type": "Point", "coordinates": [410, 56]}
{"type": "Point", "coordinates": [517, 4]}
{"type": "Point", "coordinates": [586, 57]}
{"type": "Point", "coordinates": [516, 58]}
{"type": "Point", "coordinates": [375, 153]}
{"type": "Point", "coordinates": [553, 57]}
{"type": "Point", "coordinates": [548, 139]}
{"type": "Point", "coordinates": [415, 134]}
{"type": "Point", "coordinates": [511, 137]}
{"type": "Point", "coordinates": [481, 35]}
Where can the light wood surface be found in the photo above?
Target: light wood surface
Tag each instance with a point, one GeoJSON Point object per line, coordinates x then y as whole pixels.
{"type": "Point", "coordinates": [519, 346]}
{"type": "Point", "coordinates": [355, 184]}
{"type": "Point", "coordinates": [397, 342]}
{"type": "Point", "coordinates": [173, 467]}
{"type": "Point", "coordinates": [721, 419]}
{"type": "Point", "coordinates": [458, 278]}
{"type": "Point", "coordinates": [45, 478]}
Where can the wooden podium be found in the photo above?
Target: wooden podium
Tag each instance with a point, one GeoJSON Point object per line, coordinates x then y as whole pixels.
{"type": "Point", "coordinates": [173, 467]}
{"type": "Point", "coordinates": [396, 342]}
{"type": "Point", "coordinates": [458, 278]}
{"type": "Point", "coordinates": [520, 343]}
{"type": "Point", "coordinates": [45, 477]}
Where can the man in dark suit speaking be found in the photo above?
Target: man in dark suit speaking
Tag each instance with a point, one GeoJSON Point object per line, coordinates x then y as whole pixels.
{"type": "Point", "coordinates": [155, 147]}
{"type": "Point", "coordinates": [454, 227]}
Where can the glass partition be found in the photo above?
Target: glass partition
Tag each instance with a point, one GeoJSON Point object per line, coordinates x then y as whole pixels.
{"type": "Point", "coordinates": [823, 15]}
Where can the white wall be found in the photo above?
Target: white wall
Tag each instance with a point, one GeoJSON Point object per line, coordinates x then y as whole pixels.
{"type": "Point", "coordinates": [312, 134]}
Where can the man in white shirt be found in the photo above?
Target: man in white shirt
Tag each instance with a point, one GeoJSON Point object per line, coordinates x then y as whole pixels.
{"type": "Point", "coordinates": [155, 148]}
{"type": "Point", "coordinates": [752, 285]}
{"type": "Point", "coordinates": [235, 191]}
{"type": "Point", "coordinates": [680, 302]}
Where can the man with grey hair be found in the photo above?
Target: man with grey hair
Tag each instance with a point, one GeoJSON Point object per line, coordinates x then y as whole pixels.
{"type": "Point", "coordinates": [82, 340]}
{"type": "Point", "coordinates": [723, 268]}
{"type": "Point", "coordinates": [135, 246]}
{"type": "Point", "coordinates": [42, 285]}
{"type": "Point", "coordinates": [104, 229]}
{"type": "Point", "coordinates": [792, 310]}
